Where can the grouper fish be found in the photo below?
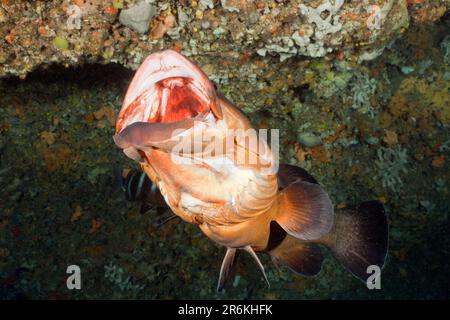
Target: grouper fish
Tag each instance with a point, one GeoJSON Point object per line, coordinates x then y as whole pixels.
{"type": "Point", "coordinates": [236, 192]}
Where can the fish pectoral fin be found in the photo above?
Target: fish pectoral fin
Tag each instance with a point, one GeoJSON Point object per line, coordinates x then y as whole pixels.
{"type": "Point", "coordinates": [225, 269]}
{"type": "Point", "coordinates": [305, 211]}
{"type": "Point", "coordinates": [304, 258]}
{"type": "Point", "coordinates": [258, 262]}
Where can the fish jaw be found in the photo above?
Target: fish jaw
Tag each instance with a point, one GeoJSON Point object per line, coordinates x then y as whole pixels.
{"type": "Point", "coordinates": [166, 88]}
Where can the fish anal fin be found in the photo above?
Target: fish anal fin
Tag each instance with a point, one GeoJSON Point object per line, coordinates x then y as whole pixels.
{"type": "Point", "coordinates": [305, 211]}
{"type": "Point", "coordinates": [302, 257]}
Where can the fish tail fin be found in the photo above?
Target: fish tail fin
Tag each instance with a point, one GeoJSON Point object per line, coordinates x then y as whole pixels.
{"type": "Point", "coordinates": [359, 237]}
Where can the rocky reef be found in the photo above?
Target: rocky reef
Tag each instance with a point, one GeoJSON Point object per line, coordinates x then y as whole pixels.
{"type": "Point", "coordinates": [360, 91]}
{"type": "Point", "coordinates": [36, 33]}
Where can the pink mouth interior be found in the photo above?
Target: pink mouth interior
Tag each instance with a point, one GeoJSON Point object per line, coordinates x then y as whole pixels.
{"type": "Point", "coordinates": [182, 101]}
{"type": "Point", "coordinates": [169, 100]}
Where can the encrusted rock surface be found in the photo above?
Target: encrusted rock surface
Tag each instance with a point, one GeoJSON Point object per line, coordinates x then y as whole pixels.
{"type": "Point", "coordinates": [72, 32]}
{"type": "Point", "coordinates": [138, 17]}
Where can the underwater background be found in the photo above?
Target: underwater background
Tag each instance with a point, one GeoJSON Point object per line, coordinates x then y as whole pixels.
{"type": "Point", "coordinates": [366, 113]}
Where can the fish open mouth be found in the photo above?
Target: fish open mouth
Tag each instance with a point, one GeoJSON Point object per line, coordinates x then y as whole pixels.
{"type": "Point", "coordinates": [175, 99]}
{"type": "Point", "coordinates": [167, 88]}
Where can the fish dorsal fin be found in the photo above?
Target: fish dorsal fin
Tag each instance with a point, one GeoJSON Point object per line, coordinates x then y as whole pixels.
{"type": "Point", "coordinates": [305, 211]}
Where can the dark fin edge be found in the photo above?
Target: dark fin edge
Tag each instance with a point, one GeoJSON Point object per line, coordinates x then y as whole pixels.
{"type": "Point", "coordinates": [288, 174]}
{"type": "Point", "coordinates": [360, 238]}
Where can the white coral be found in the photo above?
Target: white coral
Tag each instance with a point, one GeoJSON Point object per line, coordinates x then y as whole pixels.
{"type": "Point", "coordinates": [313, 45]}
{"type": "Point", "coordinates": [329, 24]}
{"type": "Point", "coordinates": [284, 46]}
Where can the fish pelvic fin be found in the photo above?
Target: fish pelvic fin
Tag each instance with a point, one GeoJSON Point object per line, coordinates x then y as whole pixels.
{"type": "Point", "coordinates": [227, 265]}
{"type": "Point", "coordinates": [258, 262]}
{"type": "Point", "coordinates": [225, 269]}
{"type": "Point", "coordinates": [359, 237]}
{"type": "Point", "coordinates": [305, 211]}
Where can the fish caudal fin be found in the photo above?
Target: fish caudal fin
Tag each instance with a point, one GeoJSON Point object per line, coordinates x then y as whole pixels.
{"type": "Point", "coordinates": [359, 237]}
{"type": "Point", "coordinates": [305, 211]}
{"type": "Point", "coordinates": [303, 258]}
